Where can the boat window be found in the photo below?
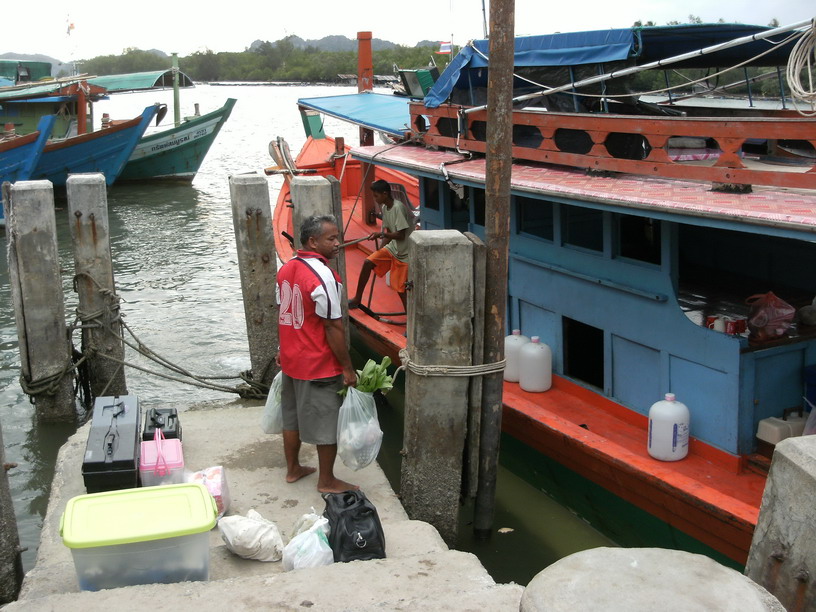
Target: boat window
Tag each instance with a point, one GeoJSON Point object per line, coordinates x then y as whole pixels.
{"type": "Point", "coordinates": [430, 194]}
{"type": "Point", "coordinates": [535, 217]}
{"type": "Point", "coordinates": [582, 227]}
{"type": "Point", "coordinates": [572, 141]}
{"type": "Point", "coordinates": [478, 131]}
{"type": "Point", "coordinates": [639, 238]}
{"type": "Point", "coordinates": [584, 352]}
{"type": "Point", "coordinates": [478, 200]}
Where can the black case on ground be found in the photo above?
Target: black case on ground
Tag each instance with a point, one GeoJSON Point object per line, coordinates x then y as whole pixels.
{"type": "Point", "coordinates": [165, 419]}
{"type": "Point", "coordinates": [112, 452]}
{"type": "Point", "coordinates": [356, 533]}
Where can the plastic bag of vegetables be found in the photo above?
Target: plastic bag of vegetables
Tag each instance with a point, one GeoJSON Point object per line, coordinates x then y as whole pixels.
{"type": "Point", "coordinates": [358, 430]}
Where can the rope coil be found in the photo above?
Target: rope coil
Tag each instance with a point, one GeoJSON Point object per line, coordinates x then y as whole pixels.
{"type": "Point", "coordinates": [448, 370]}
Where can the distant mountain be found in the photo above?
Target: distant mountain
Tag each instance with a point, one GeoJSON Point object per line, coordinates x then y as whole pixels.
{"type": "Point", "coordinates": [58, 67]}
{"type": "Point", "coordinates": [339, 43]}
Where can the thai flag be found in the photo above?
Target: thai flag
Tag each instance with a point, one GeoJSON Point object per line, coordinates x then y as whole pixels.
{"type": "Point", "coordinates": [444, 48]}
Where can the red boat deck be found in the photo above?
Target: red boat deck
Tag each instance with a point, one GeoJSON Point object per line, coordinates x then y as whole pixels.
{"type": "Point", "coordinates": [708, 495]}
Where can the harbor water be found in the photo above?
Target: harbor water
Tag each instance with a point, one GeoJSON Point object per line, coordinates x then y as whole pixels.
{"type": "Point", "coordinates": [176, 271]}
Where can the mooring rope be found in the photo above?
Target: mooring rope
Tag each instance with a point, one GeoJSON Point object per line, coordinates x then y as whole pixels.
{"type": "Point", "coordinates": [447, 370]}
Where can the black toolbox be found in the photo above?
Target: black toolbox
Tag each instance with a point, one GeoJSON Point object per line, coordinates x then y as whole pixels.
{"type": "Point", "coordinates": [165, 419]}
{"type": "Point", "coordinates": [112, 452]}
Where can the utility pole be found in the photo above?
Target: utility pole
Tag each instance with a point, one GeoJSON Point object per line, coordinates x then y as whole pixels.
{"type": "Point", "coordinates": [497, 232]}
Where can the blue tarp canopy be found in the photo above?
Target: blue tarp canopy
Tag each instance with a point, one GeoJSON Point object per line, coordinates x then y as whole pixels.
{"type": "Point", "coordinates": [381, 112]}
{"type": "Point", "coordinates": [632, 45]}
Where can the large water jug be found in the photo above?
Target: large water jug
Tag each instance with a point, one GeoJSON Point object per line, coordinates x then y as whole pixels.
{"type": "Point", "coordinates": [512, 346]}
{"type": "Point", "coordinates": [668, 429]}
{"type": "Point", "coordinates": [535, 366]}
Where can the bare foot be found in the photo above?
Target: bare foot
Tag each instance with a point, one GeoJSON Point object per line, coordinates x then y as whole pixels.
{"type": "Point", "coordinates": [299, 472]}
{"type": "Point", "coordinates": [335, 485]}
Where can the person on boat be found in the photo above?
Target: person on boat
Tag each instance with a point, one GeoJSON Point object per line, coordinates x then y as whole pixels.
{"type": "Point", "coordinates": [392, 256]}
{"type": "Point", "coordinates": [313, 354]}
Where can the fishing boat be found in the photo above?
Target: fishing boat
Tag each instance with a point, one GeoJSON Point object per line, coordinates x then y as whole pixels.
{"type": "Point", "coordinates": [19, 155]}
{"type": "Point", "coordinates": [635, 226]}
{"type": "Point", "coordinates": [168, 154]}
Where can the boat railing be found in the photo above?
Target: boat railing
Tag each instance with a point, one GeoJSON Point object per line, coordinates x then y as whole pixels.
{"type": "Point", "coordinates": [632, 144]}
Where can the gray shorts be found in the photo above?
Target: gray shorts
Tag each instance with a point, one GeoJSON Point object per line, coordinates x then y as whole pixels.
{"type": "Point", "coordinates": [311, 408]}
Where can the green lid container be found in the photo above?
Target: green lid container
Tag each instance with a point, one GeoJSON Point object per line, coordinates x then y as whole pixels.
{"type": "Point", "coordinates": [137, 515]}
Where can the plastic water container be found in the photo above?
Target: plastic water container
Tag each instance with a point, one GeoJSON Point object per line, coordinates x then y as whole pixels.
{"type": "Point", "coordinates": [535, 366]}
{"type": "Point", "coordinates": [512, 345]}
{"type": "Point", "coordinates": [668, 429]}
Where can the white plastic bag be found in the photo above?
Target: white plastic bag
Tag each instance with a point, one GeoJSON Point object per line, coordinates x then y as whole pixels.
{"type": "Point", "coordinates": [215, 479]}
{"type": "Point", "coordinates": [272, 418]}
{"type": "Point", "coordinates": [252, 537]}
{"type": "Point", "coordinates": [358, 430]}
{"type": "Point", "coordinates": [309, 548]}
{"type": "Point", "coordinates": [306, 521]}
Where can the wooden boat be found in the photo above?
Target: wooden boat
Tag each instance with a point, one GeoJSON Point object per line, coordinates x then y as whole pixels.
{"type": "Point", "coordinates": [105, 151]}
{"type": "Point", "coordinates": [174, 153]}
{"type": "Point", "coordinates": [621, 247]}
{"type": "Point", "coordinates": [19, 155]}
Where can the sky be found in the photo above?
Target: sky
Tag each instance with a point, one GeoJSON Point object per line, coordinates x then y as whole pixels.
{"type": "Point", "coordinates": [177, 26]}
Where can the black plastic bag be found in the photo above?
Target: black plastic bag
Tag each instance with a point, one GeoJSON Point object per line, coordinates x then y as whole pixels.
{"type": "Point", "coordinates": [356, 533]}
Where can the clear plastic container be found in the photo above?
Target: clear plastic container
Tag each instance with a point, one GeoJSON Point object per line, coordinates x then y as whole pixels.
{"type": "Point", "coordinates": [512, 346]}
{"type": "Point", "coordinates": [161, 468]}
{"type": "Point", "coordinates": [139, 536]}
{"type": "Point", "coordinates": [669, 424]}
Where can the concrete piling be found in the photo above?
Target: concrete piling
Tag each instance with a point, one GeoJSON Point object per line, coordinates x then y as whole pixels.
{"type": "Point", "coordinates": [440, 333]}
{"type": "Point", "coordinates": [93, 281]}
{"type": "Point", "coordinates": [11, 565]}
{"type": "Point", "coordinates": [36, 291]}
{"type": "Point", "coordinates": [783, 550]}
{"type": "Point", "coordinates": [257, 265]}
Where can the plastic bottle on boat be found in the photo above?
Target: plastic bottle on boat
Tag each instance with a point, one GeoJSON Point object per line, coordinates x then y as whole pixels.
{"type": "Point", "coordinates": [535, 366]}
{"type": "Point", "coordinates": [512, 345]}
{"type": "Point", "coordinates": [668, 429]}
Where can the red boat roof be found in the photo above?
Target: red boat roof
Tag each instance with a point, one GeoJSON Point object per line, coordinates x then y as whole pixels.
{"type": "Point", "coordinates": [788, 211]}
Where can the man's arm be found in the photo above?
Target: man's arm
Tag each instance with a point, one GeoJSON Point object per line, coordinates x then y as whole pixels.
{"type": "Point", "coordinates": [336, 337]}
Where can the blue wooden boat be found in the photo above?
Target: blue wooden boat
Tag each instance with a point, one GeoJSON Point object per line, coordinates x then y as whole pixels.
{"type": "Point", "coordinates": [631, 224]}
{"type": "Point", "coordinates": [20, 155]}
{"type": "Point", "coordinates": [105, 151]}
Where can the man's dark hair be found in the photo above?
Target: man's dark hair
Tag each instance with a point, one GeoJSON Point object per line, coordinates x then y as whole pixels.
{"type": "Point", "coordinates": [381, 186]}
{"type": "Point", "coordinates": [312, 227]}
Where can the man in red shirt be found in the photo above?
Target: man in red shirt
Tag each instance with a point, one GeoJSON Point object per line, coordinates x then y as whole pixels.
{"type": "Point", "coordinates": [313, 352]}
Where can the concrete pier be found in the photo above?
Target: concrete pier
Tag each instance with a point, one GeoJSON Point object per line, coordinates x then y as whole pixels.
{"type": "Point", "coordinates": [11, 565]}
{"type": "Point", "coordinates": [39, 307]}
{"type": "Point", "coordinates": [419, 572]}
{"type": "Point", "coordinates": [440, 333]}
{"type": "Point", "coordinates": [783, 550]}
{"type": "Point", "coordinates": [93, 270]}
{"type": "Point", "coordinates": [643, 580]}
{"type": "Point", "coordinates": [257, 265]}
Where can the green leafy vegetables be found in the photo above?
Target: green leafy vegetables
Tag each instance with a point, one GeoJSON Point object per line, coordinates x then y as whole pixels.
{"type": "Point", "coordinates": [373, 377]}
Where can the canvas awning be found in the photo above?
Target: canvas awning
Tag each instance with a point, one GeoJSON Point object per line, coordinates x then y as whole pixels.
{"type": "Point", "coordinates": [135, 81]}
{"type": "Point", "coordinates": [381, 112]}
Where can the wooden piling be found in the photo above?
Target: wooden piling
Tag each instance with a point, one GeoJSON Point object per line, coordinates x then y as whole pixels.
{"type": "Point", "coordinates": [36, 292]}
{"type": "Point", "coordinates": [475, 385]}
{"type": "Point", "coordinates": [11, 564]}
{"type": "Point", "coordinates": [257, 265]}
{"type": "Point", "coordinates": [440, 332]}
{"type": "Point", "coordinates": [497, 233]}
{"type": "Point", "coordinates": [98, 305]}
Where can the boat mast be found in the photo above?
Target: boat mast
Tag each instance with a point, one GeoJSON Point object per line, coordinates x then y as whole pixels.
{"type": "Point", "coordinates": [657, 64]}
{"type": "Point", "coordinates": [176, 104]}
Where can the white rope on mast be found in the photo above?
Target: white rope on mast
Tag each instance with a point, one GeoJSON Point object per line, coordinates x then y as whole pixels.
{"type": "Point", "coordinates": [803, 59]}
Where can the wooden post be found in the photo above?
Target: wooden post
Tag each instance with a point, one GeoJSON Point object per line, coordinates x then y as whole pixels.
{"type": "Point", "coordinates": [318, 195]}
{"type": "Point", "coordinates": [257, 265]}
{"type": "Point", "coordinates": [497, 231]}
{"type": "Point", "coordinates": [11, 564]}
{"type": "Point", "coordinates": [98, 304]}
{"type": "Point", "coordinates": [475, 389]}
{"type": "Point", "coordinates": [440, 332]}
{"type": "Point", "coordinates": [36, 292]}
{"type": "Point", "coordinates": [365, 82]}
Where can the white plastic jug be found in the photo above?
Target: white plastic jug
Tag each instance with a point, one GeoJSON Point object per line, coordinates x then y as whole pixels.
{"type": "Point", "coordinates": [512, 345]}
{"type": "Point", "coordinates": [535, 366]}
{"type": "Point", "coordinates": [668, 429]}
